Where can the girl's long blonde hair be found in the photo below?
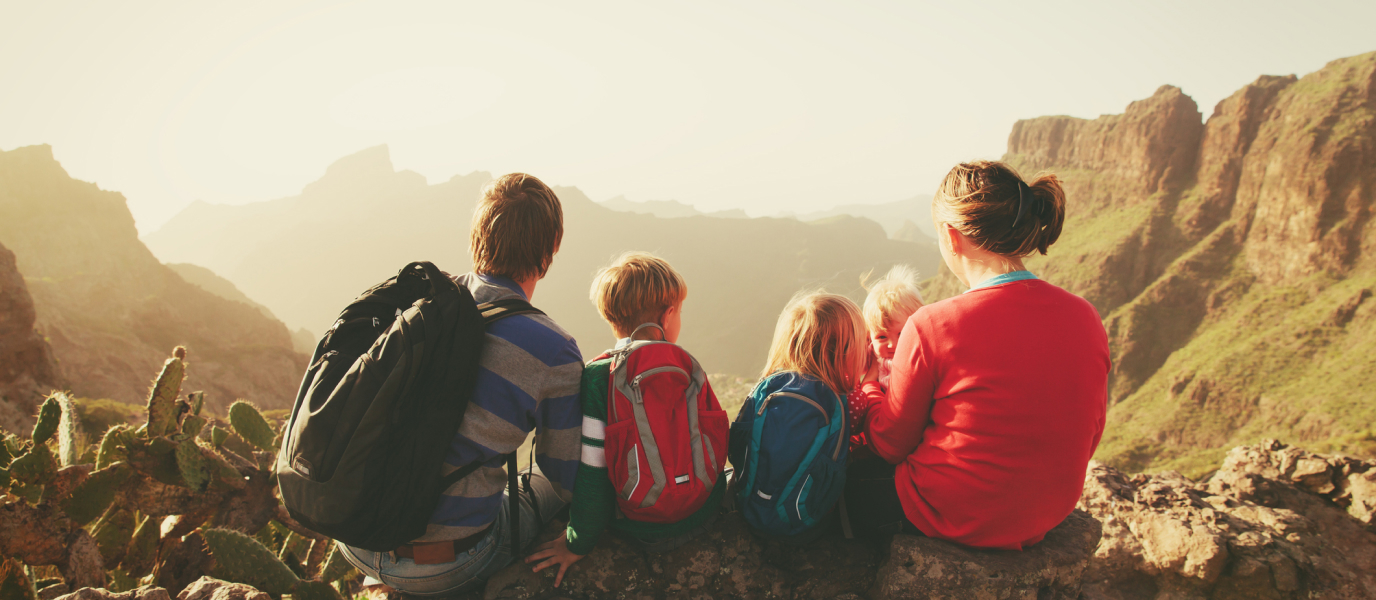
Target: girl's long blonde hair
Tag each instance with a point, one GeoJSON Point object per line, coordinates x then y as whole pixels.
{"type": "Point", "coordinates": [823, 336]}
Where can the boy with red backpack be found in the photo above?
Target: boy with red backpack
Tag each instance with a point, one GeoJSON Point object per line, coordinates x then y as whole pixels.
{"type": "Point", "coordinates": [654, 436]}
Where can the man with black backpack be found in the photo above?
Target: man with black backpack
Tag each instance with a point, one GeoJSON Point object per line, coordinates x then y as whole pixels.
{"type": "Point", "coordinates": [527, 380]}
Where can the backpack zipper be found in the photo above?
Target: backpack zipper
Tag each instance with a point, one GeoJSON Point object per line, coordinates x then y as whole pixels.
{"type": "Point", "coordinates": [825, 417]}
{"type": "Point", "coordinates": [635, 382]}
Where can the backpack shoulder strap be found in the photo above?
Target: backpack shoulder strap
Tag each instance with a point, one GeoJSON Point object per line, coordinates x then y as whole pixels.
{"type": "Point", "coordinates": [506, 307]}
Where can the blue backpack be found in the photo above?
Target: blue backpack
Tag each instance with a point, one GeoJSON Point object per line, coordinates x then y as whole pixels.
{"type": "Point", "coordinates": [789, 447]}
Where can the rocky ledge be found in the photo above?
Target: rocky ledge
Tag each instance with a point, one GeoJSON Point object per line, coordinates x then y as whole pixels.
{"type": "Point", "coordinates": [1273, 522]}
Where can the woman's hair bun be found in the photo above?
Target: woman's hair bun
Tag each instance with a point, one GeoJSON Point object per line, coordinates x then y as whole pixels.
{"type": "Point", "coordinates": [991, 204]}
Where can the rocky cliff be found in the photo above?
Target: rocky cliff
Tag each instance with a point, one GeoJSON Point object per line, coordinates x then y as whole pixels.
{"type": "Point", "coordinates": [111, 311]}
{"type": "Point", "coordinates": [28, 370]}
{"type": "Point", "coordinates": [305, 257]}
{"type": "Point", "coordinates": [1231, 260]}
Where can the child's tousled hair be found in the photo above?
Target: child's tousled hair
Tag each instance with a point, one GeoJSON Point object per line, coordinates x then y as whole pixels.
{"type": "Point", "coordinates": [820, 335]}
{"type": "Point", "coordinates": [991, 204]}
{"type": "Point", "coordinates": [635, 289]}
{"type": "Point", "coordinates": [896, 293]}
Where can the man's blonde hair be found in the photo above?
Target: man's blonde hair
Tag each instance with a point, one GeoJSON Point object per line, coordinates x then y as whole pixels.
{"type": "Point", "coordinates": [823, 336]}
{"type": "Point", "coordinates": [896, 294]}
{"type": "Point", "coordinates": [517, 227]}
{"type": "Point", "coordinates": [635, 289]}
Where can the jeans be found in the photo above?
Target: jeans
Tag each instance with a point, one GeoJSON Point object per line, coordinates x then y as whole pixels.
{"type": "Point", "coordinates": [872, 500]}
{"type": "Point", "coordinates": [472, 566]}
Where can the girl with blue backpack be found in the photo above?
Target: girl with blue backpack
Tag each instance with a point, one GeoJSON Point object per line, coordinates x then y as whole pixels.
{"type": "Point", "coordinates": [789, 441]}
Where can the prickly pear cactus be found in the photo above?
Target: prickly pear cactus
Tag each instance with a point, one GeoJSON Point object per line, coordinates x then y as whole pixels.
{"type": "Point", "coordinates": [37, 466]}
{"type": "Point", "coordinates": [196, 471]}
{"type": "Point", "coordinates": [336, 566]}
{"type": "Point", "coordinates": [243, 559]}
{"type": "Point", "coordinates": [112, 533]}
{"type": "Point", "coordinates": [162, 399]}
{"type": "Point", "coordinates": [49, 415]}
{"type": "Point", "coordinates": [69, 442]}
{"type": "Point", "coordinates": [112, 446]}
{"type": "Point", "coordinates": [218, 436]}
{"type": "Point", "coordinates": [143, 548]}
{"type": "Point", "coordinates": [94, 495]}
{"type": "Point", "coordinates": [250, 425]}
{"type": "Point", "coordinates": [14, 582]}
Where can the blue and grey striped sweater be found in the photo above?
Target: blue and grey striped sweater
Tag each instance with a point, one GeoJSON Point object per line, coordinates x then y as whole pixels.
{"type": "Point", "coordinates": [528, 380]}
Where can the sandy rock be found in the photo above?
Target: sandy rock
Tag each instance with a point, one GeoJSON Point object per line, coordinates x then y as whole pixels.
{"type": "Point", "coordinates": [920, 567]}
{"type": "Point", "coordinates": [208, 588]}
{"type": "Point", "coordinates": [146, 592]}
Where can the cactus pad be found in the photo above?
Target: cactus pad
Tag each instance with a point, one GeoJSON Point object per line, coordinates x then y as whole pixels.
{"type": "Point", "coordinates": [112, 533]}
{"type": "Point", "coordinates": [49, 415]}
{"type": "Point", "coordinates": [69, 441]}
{"type": "Point", "coordinates": [336, 566]}
{"type": "Point", "coordinates": [192, 425]}
{"type": "Point", "coordinates": [162, 399]}
{"type": "Point", "coordinates": [37, 466]}
{"type": "Point", "coordinates": [242, 559]}
{"type": "Point", "coordinates": [218, 436]}
{"type": "Point", "coordinates": [314, 590]}
{"type": "Point", "coordinates": [112, 446]}
{"type": "Point", "coordinates": [250, 425]}
{"type": "Point", "coordinates": [94, 495]}
{"type": "Point", "coordinates": [195, 468]}
{"type": "Point", "coordinates": [143, 548]}
{"type": "Point", "coordinates": [197, 400]}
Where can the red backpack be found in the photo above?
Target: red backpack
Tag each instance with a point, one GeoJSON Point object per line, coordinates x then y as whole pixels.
{"type": "Point", "coordinates": [666, 434]}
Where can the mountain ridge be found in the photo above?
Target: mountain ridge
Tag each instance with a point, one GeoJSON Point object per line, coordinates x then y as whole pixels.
{"type": "Point", "coordinates": [111, 311]}
{"type": "Point", "coordinates": [740, 272]}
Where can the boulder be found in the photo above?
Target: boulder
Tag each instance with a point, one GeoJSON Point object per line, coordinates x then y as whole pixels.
{"type": "Point", "coordinates": [146, 592]}
{"type": "Point", "coordinates": [919, 567]}
{"type": "Point", "coordinates": [1273, 522]}
{"type": "Point", "coordinates": [209, 588]}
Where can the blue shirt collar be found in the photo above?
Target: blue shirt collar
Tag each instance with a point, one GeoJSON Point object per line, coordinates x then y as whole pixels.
{"type": "Point", "coordinates": [1002, 279]}
{"type": "Point", "coordinates": [503, 281]}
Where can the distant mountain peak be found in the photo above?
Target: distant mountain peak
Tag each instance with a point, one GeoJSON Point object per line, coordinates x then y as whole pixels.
{"type": "Point", "coordinates": [370, 161]}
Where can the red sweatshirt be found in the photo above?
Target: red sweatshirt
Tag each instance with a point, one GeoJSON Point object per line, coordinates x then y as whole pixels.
{"type": "Point", "coordinates": [995, 405]}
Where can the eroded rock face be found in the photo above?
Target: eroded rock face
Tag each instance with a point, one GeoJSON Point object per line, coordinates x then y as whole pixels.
{"type": "Point", "coordinates": [1270, 524]}
{"type": "Point", "coordinates": [27, 368]}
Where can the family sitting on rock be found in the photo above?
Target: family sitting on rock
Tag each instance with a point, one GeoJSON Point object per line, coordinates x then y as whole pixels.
{"type": "Point", "coordinates": [971, 419]}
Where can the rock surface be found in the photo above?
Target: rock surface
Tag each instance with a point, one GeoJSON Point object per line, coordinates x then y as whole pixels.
{"type": "Point", "coordinates": [919, 567]}
{"type": "Point", "coordinates": [209, 588]}
{"type": "Point", "coordinates": [1273, 522]}
{"type": "Point", "coordinates": [27, 368]}
{"type": "Point", "coordinates": [730, 562]}
{"type": "Point", "coordinates": [146, 592]}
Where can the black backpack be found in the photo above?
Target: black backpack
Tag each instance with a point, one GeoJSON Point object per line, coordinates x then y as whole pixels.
{"type": "Point", "coordinates": [379, 407]}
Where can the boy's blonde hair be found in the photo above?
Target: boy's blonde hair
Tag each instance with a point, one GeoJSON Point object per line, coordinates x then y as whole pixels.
{"type": "Point", "coordinates": [821, 335]}
{"type": "Point", "coordinates": [896, 293]}
{"type": "Point", "coordinates": [636, 288]}
{"type": "Point", "coordinates": [517, 227]}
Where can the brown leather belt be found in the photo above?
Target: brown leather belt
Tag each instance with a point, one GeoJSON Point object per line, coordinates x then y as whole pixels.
{"type": "Point", "coordinates": [434, 553]}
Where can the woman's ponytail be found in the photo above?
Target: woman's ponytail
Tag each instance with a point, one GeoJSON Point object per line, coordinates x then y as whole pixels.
{"type": "Point", "coordinates": [990, 203]}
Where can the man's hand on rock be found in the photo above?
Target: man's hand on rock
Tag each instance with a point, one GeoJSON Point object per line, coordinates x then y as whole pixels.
{"type": "Point", "coordinates": [555, 552]}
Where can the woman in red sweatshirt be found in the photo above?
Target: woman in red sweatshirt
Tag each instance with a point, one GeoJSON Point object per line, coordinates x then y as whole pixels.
{"type": "Point", "coordinates": [997, 396]}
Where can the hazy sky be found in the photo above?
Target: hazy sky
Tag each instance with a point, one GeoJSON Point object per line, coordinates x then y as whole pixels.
{"type": "Point", "coordinates": [766, 106]}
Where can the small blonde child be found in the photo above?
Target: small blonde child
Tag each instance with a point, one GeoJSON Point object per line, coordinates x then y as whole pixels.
{"type": "Point", "coordinates": [788, 443]}
{"type": "Point", "coordinates": [890, 302]}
